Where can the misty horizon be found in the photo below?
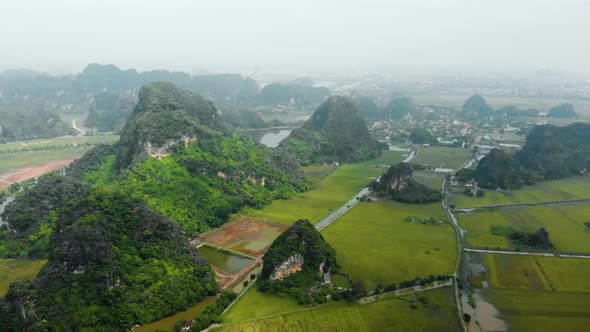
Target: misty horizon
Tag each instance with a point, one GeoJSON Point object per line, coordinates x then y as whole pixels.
{"type": "Point", "coordinates": [221, 36]}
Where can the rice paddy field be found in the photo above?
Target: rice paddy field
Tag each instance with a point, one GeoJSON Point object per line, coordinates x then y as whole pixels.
{"type": "Point", "coordinates": [446, 157]}
{"type": "Point", "coordinates": [539, 293]}
{"type": "Point", "coordinates": [389, 314]}
{"type": "Point", "coordinates": [12, 270]}
{"type": "Point", "coordinates": [60, 142]}
{"type": "Point", "coordinates": [376, 245]}
{"type": "Point", "coordinates": [577, 187]}
{"type": "Point", "coordinates": [429, 179]}
{"type": "Point", "coordinates": [255, 305]}
{"type": "Point", "coordinates": [18, 160]}
{"type": "Point", "coordinates": [331, 192]}
{"type": "Point", "coordinates": [565, 223]}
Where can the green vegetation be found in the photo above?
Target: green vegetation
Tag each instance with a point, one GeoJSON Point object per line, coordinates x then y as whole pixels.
{"type": "Point", "coordinates": [422, 136]}
{"type": "Point", "coordinates": [255, 305]}
{"type": "Point", "coordinates": [13, 161]}
{"type": "Point", "coordinates": [564, 222]}
{"type": "Point", "coordinates": [304, 241]}
{"type": "Point", "coordinates": [376, 245]}
{"type": "Point", "coordinates": [56, 143]}
{"type": "Point", "coordinates": [244, 119]}
{"type": "Point", "coordinates": [13, 270]}
{"type": "Point", "coordinates": [550, 153]}
{"type": "Point", "coordinates": [498, 170]}
{"type": "Point", "coordinates": [397, 183]}
{"type": "Point", "coordinates": [563, 111]}
{"type": "Point", "coordinates": [201, 183]}
{"type": "Point", "coordinates": [436, 315]}
{"type": "Point", "coordinates": [399, 107]}
{"type": "Point", "coordinates": [429, 179]}
{"type": "Point", "coordinates": [33, 214]}
{"type": "Point", "coordinates": [335, 132]}
{"type": "Point", "coordinates": [168, 323]}
{"type": "Point", "coordinates": [212, 314]}
{"type": "Point", "coordinates": [30, 122]}
{"type": "Point", "coordinates": [333, 191]}
{"type": "Point", "coordinates": [368, 109]}
{"type": "Point", "coordinates": [577, 187]}
{"type": "Point", "coordinates": [540, 293]}
{"type": "Point", "coordinates": [114, 264]}
{"type": "Point", "coordinates": [109, 111]}
{"type": "Point", "coordinates": [438, 156]}
{"type": "Point", "coordinates": [476, 108]}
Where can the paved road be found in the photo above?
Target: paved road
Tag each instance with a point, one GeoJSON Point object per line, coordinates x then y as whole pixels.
{"type": "Point", "coordinates": [82, 132]}
{"type": "Point", "coordinates": [404, 291]}
{"type": "Point", "coordinates": [467, 209]}
{"type": "Point", "coordinates": [524, 253]}
{"type": "Point", "coordinates": [355, 200]}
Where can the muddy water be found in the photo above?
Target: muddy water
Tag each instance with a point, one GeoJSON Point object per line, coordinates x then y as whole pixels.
{"type": "Point", "coordinates": [227, 262]}
{"type": "Point", "coordinates": [484, 317]}
{"type": "Point", "coordinates": [7, 201]}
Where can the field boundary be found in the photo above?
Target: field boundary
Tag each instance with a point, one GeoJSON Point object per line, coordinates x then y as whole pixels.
{"type": "Point", "coordinates": [484, 207]}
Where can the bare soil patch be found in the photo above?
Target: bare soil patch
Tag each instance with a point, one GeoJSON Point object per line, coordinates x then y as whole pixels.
{"type": "Point", "coordinates": [31, 172]}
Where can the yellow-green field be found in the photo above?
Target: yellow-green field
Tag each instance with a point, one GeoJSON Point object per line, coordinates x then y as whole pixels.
{"type": "Point", "coordinates": [67, 141]}
{"type": "Point", "coordinates": [564, 222]}
{"type": "Point", "coordinates": [12, 161]}
{"type": "Point", "coordinates": [445, 157]}
{"type": "Point", "coordinates": [333, 191]}
{"type": "Point", "coordinates": [388, 158]}
{"type": "Point", "coordinates": [255, 305]}
{"type": "Point", "coordinates": [429, 179]}
{"type": "Point", "coordinates": [12, 270]}
{"type": "Point", "coordinates": [390, 314]}
{"type": "Point", "coordinates": [539, 293]}
{"type": "Point", "coordinates": [577, 187]}
{"type": "Point", "coordinates": [376, 245]}
{"type": "Point", "coordinates": [317, 171]}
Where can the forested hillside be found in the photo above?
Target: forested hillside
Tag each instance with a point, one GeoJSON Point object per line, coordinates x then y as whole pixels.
{"type": "Point", "coordinates": [336, 132]}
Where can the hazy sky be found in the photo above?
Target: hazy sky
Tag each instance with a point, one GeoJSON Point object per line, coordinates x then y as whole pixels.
{"type": "Point", "coordinates": [65, 35]}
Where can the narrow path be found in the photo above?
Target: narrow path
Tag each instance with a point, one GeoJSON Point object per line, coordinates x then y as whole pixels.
{"type": "Point", "coordinates": [327, 221]}
{"type": "Point", "coordinates": [405, 291]}
{"type": "Point", "coordinates": [523, 204]}
{"type": "Point", "coordinates": [459, 235]}
{"type": "Point", "coordinates": [82, 132]}
{"type": "Point", "coordinates": [524, 253]}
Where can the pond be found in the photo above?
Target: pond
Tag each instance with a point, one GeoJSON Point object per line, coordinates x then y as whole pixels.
{"type": "Point", "coordinates": [270, 137]}
{"type": "Point", "coordinates": [227, 262]}
{"type": "Point", "coordinates": [167, 323]}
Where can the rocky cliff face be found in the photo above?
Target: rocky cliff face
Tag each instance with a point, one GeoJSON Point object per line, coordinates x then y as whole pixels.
{"type": "Point", "coordinates": [291, 265]}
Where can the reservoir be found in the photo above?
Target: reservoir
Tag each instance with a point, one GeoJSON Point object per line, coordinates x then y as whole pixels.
{"type": "Point", "coordinates": [269, 137]}
{"type": "Point", "coordinates": [227, 262]}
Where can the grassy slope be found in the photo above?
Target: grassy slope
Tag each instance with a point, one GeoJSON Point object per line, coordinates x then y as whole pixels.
{"type": "Point", "coordinates": [12, 270]}
{"type": "Point", "coordinates": [375, 244]}
{"type": "Point", "coordinates": [577, 187]}
{"type": "Point", "coordinates": [332, 191]}
{"type": "Point", "coordinates": [539, 293]}
{"type": "Point", "coordinates": [564, 222]}
{"type": "Point", "coordinates": [389, 314]}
